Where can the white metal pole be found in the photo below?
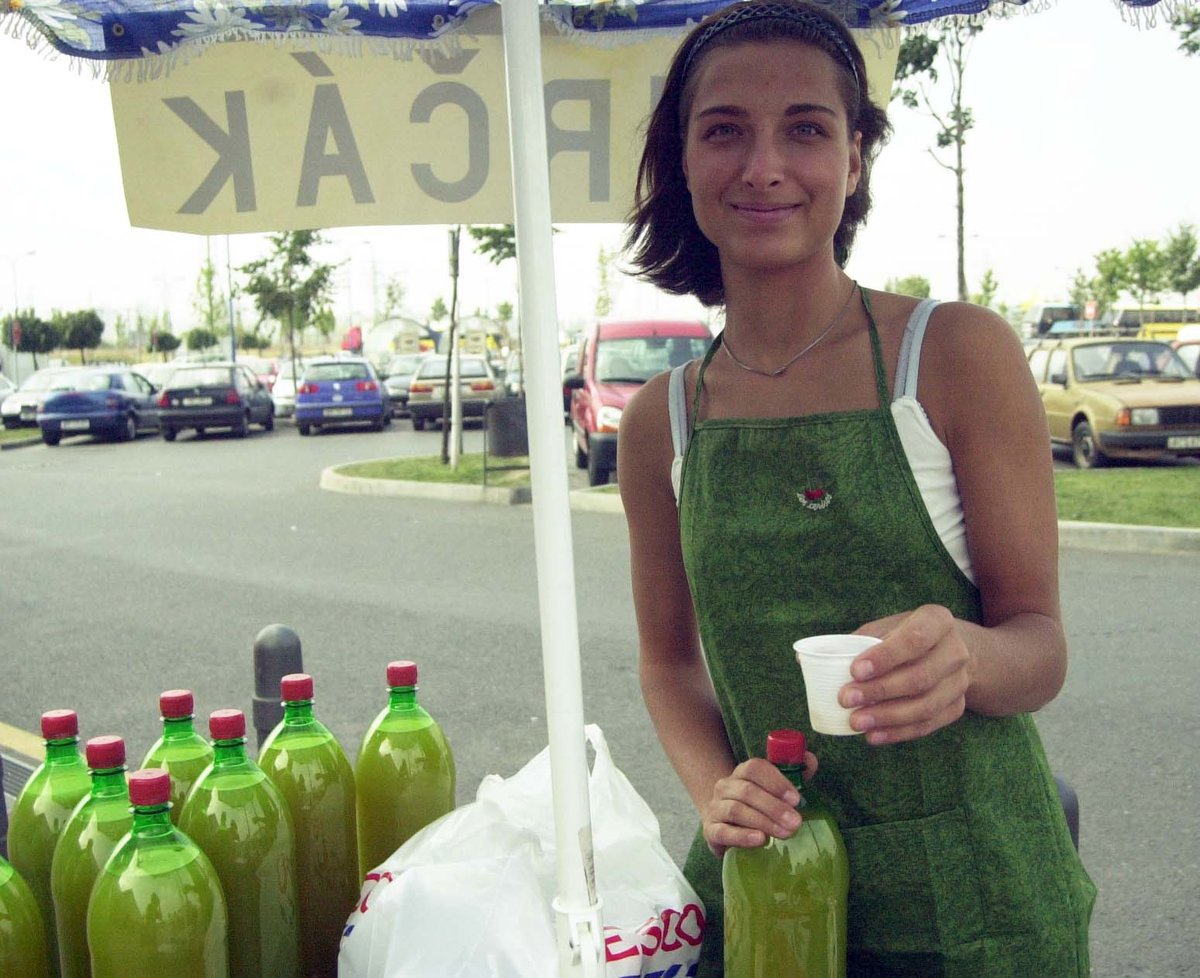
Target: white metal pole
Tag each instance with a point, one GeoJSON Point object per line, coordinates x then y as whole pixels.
{"type": "Point", "coordinates": [580, 931]}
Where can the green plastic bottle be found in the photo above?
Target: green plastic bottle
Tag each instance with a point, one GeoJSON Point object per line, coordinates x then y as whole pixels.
{"type": "Point", "coordinates": [308, 766]}
{"type": "Point", "coordinates": [241, 821]}
{"type": "Point", "coordinates": [42, 809]}
{"type": "Point", "coordinates": [157, 908]}
{"type": "Point", "coordinates": [22, 933]}
{"type": "Point", "coordinates": [785, 902]}
{"type": "Point", "coordinates": [91, 834]}
{"type": "Point", "coordinates": [404, 773]}
{"type": "Point", "coordinates": [180, 751]}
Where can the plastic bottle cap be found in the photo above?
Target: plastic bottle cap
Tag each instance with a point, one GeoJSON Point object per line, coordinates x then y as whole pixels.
{"type": "Point", "coordinates": [296, 686]}
{"type": "Point", "coordinates": [402, 673]}
{"type": "Point", "coordinates": [150, 786]}
{"type": "Point", "coordinates": [227, 724]}
{"type": "Point", "coordinates": [105, 752]}
{"type": "Point", "coordinates": [60, 724]}
{"type": "Point", "coordinates": [786, 747]}
{"type": "Point", "coordinates": [176, 704]}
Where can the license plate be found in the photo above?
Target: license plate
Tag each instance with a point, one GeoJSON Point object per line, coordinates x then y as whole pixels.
{"type": "Point", "coordinates": [76, 425]}
{"type": "Point", "coordinates": [196, 401]}
{"type": "Point", "coordinates": [342, 412]}
{"type": "Point", "coordinates": [1183, 441]}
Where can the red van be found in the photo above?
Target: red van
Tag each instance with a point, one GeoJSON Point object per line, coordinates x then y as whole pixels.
{"type": "Point", "coordinates": [615, 359]}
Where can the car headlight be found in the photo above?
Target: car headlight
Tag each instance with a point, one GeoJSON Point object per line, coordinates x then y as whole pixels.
{"type": "Point", "coordinates": [608, 418]}
{"type": "Point", "coordinates": [1143, 416]}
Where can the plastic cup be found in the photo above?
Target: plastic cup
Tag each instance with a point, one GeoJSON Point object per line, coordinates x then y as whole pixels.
{"type": "Point", "coordinates": [825, 661]}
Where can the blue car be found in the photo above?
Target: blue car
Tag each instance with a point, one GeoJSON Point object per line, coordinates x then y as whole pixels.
{"type": "Point", "coordinates": [113, 402]}
{"type": "Point", "coordinates": [342, 391]}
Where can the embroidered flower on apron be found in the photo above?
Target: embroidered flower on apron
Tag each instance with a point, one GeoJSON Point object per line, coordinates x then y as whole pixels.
{"type": "Point", "coordinates": [814, 498]}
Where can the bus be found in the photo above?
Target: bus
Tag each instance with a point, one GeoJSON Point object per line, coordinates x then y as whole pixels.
{"type": "Point", "coordinates": [1148, 322]}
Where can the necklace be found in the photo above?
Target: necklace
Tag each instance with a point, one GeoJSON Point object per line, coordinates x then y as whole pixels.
{"type": "Point", "coordinates": [825, 332]}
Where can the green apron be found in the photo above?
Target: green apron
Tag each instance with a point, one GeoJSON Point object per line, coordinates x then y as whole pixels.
{"type": "Point", "coordinates": [961, 862]}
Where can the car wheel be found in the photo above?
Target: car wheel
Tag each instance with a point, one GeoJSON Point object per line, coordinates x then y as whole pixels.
{"type": "Point", "coordinates": [128, 430]}
{"type": "Point", "coordinates": [379, 423]}
{"type": "Point", "coordinates": [242, 428]}
{"type": "Point", "coordinates": [597, 474]}
{"type": "Point", "coordinates": [581, 459]}
{"type": "Point", "coordinates": [1085, 450]}
{"type": "Point", "coordinates": [11, 423]}
{"type": "Point", "coordinates": [168, 433]}
{"type": "Point", "coordinates": [305, 430]}
{"type": "Point", "coordinates": [51, 437]}
{"type": "Point", "coordinates": [199, 432]}
{"type": "Point", "coordinates": [418, 423]}
{"type": "Point", "coordinates": [269, 424]}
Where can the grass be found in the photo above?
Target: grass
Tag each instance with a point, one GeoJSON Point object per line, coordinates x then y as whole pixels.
{"type": "Point", "coordinates": [1141, 496]}
{"type": "Point", "coordinates": [18, 434]}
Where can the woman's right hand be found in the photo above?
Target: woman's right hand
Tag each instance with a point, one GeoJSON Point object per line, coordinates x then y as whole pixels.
{"type": "Point", "coordinates": [752, 803]}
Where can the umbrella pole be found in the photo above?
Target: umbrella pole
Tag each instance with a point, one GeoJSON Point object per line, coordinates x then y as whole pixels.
{"type": "Point", "coordinates": [578, 923]}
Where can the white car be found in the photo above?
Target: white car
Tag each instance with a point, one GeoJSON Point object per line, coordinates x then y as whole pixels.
{"type": "Point", "coordinates": [283, 391]}
{"type": "Point", "coordinates": [19, 408]}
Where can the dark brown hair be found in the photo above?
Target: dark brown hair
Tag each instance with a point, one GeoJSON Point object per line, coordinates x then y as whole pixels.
{"type": "Point", "coordinates": [667, 245]}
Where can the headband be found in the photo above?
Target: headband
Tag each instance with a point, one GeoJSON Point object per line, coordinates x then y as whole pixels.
{"type": "Point", "coordinates": [740, 13]}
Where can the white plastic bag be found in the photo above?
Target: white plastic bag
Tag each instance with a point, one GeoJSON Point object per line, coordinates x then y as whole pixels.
{"type": "Point", "coordinates": [469, 896]}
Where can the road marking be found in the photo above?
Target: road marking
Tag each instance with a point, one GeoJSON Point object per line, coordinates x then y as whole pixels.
{"type": "Point", "coordinates": [22, 742]}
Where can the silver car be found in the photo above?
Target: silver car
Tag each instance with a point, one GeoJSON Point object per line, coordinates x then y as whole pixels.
{"type": "Point", "coordinates": [20, 407]}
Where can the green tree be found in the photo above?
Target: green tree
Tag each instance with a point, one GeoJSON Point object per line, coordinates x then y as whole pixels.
{"type": "Point", "coordinates": [1181, 261]}
{"type": "Point", "coordinates": [914, 285]}
{"type": "Point", "coordinates": [288, 286]}
{"type": "Point", "coordinates": [325, 322]}
{"type": "Point", "coordinates": [121, 330]}
{"type": "Point", "coordinates": [202, 338]}
{"type": "Point", "coordinates": [1081, 291]}
{"type": "Point", "coordinates": [163, 342]}
{"type": "Point", "coordinates": [438, 311]}
{"type": "Point", "coordinates": [1187, 24]}
{"type": "Point", "coordinates": [37, 335]}
{"type": "Point", "coordinates": [81, 331]}
{"type": "Point", "coordinates": [988, 286]}
{"type": "Point", "coordinates": [497, 243]}
{"type": "Point", "coordinates": [1112, 278]}
{"type": "Point", "coordinates": [210, 303]}
{"type": "Point", "coordinates": [603, 288]}
{"type": "Point", "coordinates": [1147, 272]}
{"type": "Point", "coordinates": [393, 299]}
{"type": "Point", "coordinates": [918, 57]}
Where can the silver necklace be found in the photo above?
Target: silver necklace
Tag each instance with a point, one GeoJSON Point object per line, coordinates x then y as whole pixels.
{"type": "Point", "coordinates": [825, 332]}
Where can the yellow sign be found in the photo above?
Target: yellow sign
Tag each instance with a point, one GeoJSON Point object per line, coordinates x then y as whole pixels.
{"type": "Point", "coordinates": [259, 137]}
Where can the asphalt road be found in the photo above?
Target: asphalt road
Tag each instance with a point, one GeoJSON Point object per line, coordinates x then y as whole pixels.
{"type": "Point", "coordinates": [129, 569]}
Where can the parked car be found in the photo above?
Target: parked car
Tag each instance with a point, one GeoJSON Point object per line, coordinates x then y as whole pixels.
{"type": "Point", "coordinates": [283, 391]}
{"type": "Point", "coordinates": [264, 368]}
{"type": "Point", "coordinates": [615, 359]}
{"type": "Point", "coordinates": [6, 387]}
{"type": "Point", "coordinates": [570, 361]}
{"type": "Point", "coordinates": [19, 409]}
{"type": "Point", "coordinates": [113, 402]}
{"type": "Point", "coordinates": [477, 386]}
{"type": "Point", "coordinates": [1188, 347]}
{"type": "Point", "coordinates": [1039, 319]}
{"type": "Point", "coordinates": [157, 373]}
{"type": "Point", "coordinates": [214, 395]}
{"type": "Point", "coordinates": [397, 375]}
{"type": "Point", "coordinates": [1117, 398]}
{"type": "Point", "coordinates": [342, 391]}
{"type": "Point", "coordinates": [514, 374]}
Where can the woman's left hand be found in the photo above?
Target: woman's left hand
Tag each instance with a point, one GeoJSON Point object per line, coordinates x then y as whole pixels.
{"type": "Point", "coordinates": [913, 682]}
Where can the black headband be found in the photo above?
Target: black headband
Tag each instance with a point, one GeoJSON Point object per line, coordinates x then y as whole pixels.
{"type": "Point", "coordinates": [740, 13]}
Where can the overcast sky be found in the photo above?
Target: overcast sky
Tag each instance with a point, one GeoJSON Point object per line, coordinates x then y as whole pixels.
{"type": "Point", "coordinates": [1085, 138]}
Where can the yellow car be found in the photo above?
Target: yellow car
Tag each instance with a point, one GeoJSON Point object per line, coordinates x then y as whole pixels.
{"type": "Point", "coordinates": [1110, 398]}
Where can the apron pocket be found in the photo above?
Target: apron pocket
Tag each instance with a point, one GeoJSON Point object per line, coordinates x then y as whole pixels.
{"type": "Point", "coordinates": [913, 886]}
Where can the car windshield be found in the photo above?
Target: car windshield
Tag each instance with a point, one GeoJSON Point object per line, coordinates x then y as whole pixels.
{"type": "Point", "coordinates": [45, 380]}
{"type": "Point", "coordinates": [636, 359]}
{"type": "Point", "coordinates": [1109, 361]}
{"type": "Point", "coordinates": [342, 370]}
{"type": "Point", "coordinates": [201, 377]}
{"type": "Point", "coordinates": [467, 367]}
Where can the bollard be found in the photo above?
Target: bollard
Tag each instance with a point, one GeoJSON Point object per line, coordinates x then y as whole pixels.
{"type": "Point", "coordinates": [276, 654]}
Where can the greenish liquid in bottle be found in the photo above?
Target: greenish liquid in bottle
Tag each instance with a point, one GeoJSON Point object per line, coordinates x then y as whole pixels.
{"type": "Point", "coordinates": [308, 766]}
{"type": "Point", "coordinates": [238, 817]}
{"type": "Point", "coordinates": [183, 754]}
{"type": "Point", "coordinates": [157, 909]}
{"type": "Point", "coordinates": [37, 819]}
{"type": "Point", "coordinates": [405, 778]}
{"type": "Point", "coordinates": [785, 902]}
{"type": "Point", "coordinates": [22, 933]}
{"type": "Point", "coordinates": [90, 836]}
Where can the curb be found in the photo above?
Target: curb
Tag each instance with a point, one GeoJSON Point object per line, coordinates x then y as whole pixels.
{"type": "Point", "coordinates": [20, 443]}
{"type": "Point", "coordinates": [1115, 536]}
{"type": "Point", "coordinates": [334, 481]}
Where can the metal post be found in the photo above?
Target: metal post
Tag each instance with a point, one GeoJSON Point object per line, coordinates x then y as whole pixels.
{"type": "Point", "coordinates": [276, 654]}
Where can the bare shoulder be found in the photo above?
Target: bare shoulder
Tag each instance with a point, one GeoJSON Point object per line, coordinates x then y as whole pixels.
{"type": "Point", "coordinates": [969, 336]}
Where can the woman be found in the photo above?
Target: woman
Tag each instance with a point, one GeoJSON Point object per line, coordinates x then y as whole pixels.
{"type": "Point", "coordinates": [821, 490]}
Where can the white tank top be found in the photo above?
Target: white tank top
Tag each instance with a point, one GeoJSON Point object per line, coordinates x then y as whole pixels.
{"type": "Point", "coordinates": [928, 458]}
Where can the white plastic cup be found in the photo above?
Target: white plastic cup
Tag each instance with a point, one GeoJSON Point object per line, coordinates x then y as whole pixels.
{"type": "Point", "coordinates": [825, 661]}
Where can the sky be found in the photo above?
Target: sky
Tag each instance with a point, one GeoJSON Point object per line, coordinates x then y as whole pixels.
{"type": "Point", "coordinates": [1085, 139]}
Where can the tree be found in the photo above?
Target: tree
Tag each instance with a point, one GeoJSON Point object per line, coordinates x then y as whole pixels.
{"type": "Point", "coordinates": [288, 286]}
{"type": "Point", "coordinates": [1187, 24]}
{"type": "Point", "coordinates": [918, 56]}
{"type": "Point", "coordinates": [1112, 277]}
{"type": "Point", "coordinates": [201, 338]}
{"type": "Point", "coordinates": [914, 285]}
{"type": "Point", "coordinates": [1147, 271]}
{"type": "Point", "coordinates": [37, 335]}
{"type": "Point", "coordinates": [210, 303]}
{"type": "Point", "coordinates": [164, 343]}
{"type": "Point", "coordinates": [438, 311]}
{"type": "Point", "coordinates": [603, 291]}
{"type": "Point", "coordinates": [988, 286]}
{"type": "Point", "coordinates": [1182, 264]}
{"type": "Point", "coordinates": [496, 242]}
{"type": "Point", "coordinates": [393, 299]}
{"type": "Point", "coordinates": [81, 331]}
